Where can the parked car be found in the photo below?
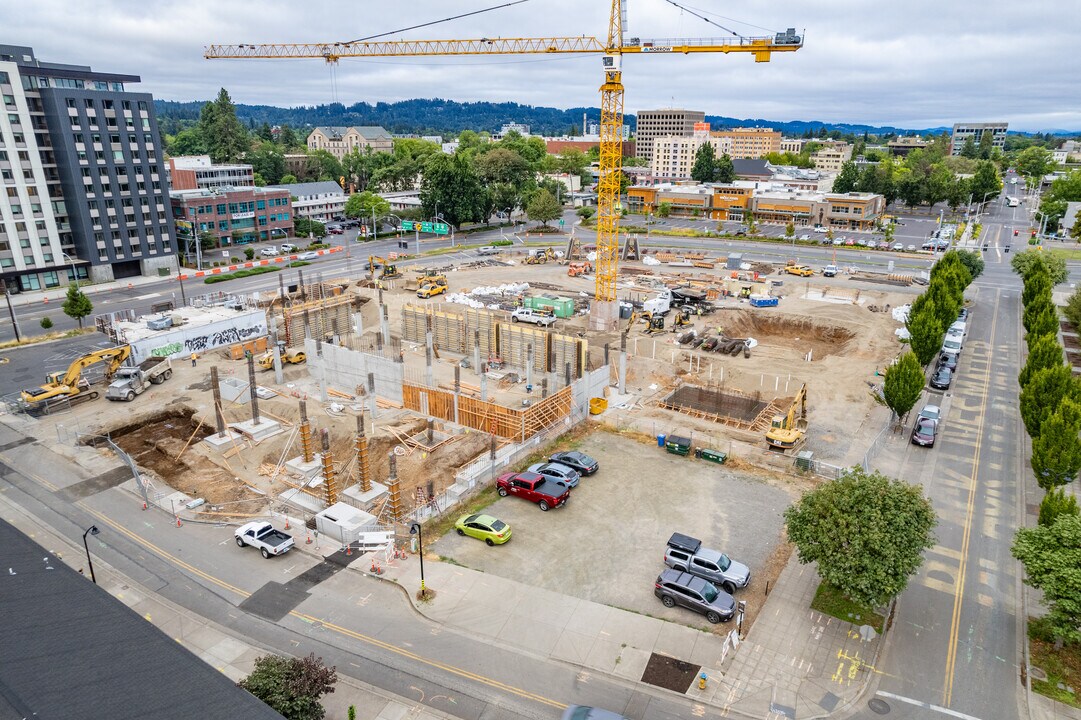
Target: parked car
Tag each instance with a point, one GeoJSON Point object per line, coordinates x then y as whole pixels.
{"type": "Point", "coordinates": [911, 248]}
{"type": "Point", "coordinates": [850, 242]}
{"type": "Point", "coordinates": [335, 230]}
{"type": "Point", "coordinates": [289, 248]}
{"type": "Point", "coordinates": [687, 554]}
{"type": "Point", "coordinates": [804, 237]}
{"type": "Point", "coordinates": [532, 487]}
{"type": "Point", "coordinates": [825, 241]}
{"type": "Point", "coordinates": [584, 464]}
{"type": "Point", "coordinates": [484, 527]}
{"type": "Point", "coordinates": [947, 360]}
{"type": "Point", "coordinates": [801, 270]}
{"type": "Point", "coordinates": [310, 255]}
{"type": "Point", "coordinates": [262, 535]}
{"type": "Point", "coordinates": [829, 271]}
{"type": "Point", "coordinates": [924, 432]}
{"type": "Point", "coordinates": [931, 412]}
{"type": "Point", "coordinates": [557, 471]}
{"type": "Point", "coordinates": [819, 229]}
{"type": "Point", "coordinates": [679, 588]}
{"type": "Point", "coordinates": [942, 378]}
{"type": "Point", "coordinates": [898, 247]}
{"type": "Point", "coordinates": [838, 241]}
{"type": "Point", "coordinates": [951, 346]}
{"type": "Point", "coordinates": [532, 316]}
{"type": "Point", "coordinates": [269, 252]}
{"type": "Point", "coordinates": [963, 315]}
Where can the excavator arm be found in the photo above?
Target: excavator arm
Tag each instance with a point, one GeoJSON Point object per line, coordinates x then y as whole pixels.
{"type": "Point", "coordinates": [115, 357]}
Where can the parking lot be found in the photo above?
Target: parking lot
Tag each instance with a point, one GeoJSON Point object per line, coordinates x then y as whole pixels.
{"type": "Point", "coordinates": [607, 544]}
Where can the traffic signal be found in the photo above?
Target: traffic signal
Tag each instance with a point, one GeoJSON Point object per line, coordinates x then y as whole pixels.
{"type": "Point", "coordinates": [341, 181]}
{"type": "Point", "coordinates": [1033, 233]}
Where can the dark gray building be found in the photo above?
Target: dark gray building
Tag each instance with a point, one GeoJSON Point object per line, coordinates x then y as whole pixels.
{"type": "Point", "coordinates": [82, 176]}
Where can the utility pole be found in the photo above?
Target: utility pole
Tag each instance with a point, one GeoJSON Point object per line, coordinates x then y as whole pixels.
{"type": "Point", "coordinates": [11, 311]}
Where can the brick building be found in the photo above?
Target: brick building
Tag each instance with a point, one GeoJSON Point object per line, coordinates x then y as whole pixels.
{"type": "Point", "coordinates": [234, 216]}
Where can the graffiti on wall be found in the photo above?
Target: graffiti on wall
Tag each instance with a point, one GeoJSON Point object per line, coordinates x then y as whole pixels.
{"type": "Point", "coordinates": [218, 338]}
{"type": "Point", "coordinates": [167, 350]}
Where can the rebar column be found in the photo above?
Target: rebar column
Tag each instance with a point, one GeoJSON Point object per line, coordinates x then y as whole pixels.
{"type": "Point", "coordinates": [300, 285]}
{"type": "Point", "coordinates": [384, 322]}
{"type": "Point", "coordinates": [306, 434]}
{"type": "Point", "coordinates": [394, 491]}
{"type": "Point", "coordinates": [544, 388]}
{"type": "Point", "coordinates": [529, 364]}
{"type": "Point", "coordinates": [476, 351]}
{"type": "Point", "coordinates": [429, 378]}
{"type": "Point", "coordinates": [364, 468]}
{"type": "Point", "coordinates": [371, 396]}
{"type": "Point", "coordinates": [330, 479]}
{"type": "Point", "coordinates": [307, 325]}
{"type": "Point", "coordinates": [484, 382]}
{"type": "Point", "coordinates": [457, 389]}
{"type": "Point", "coordinates": [623, 363]}
{"type": "Point", "coordinates": [566, 374]}
{"type": "Point", "coordinates": [255, 419]}
{"type": "Point", "coordinates": [431, 432]}
{"type": "Point", "coordinates": [219, 420]}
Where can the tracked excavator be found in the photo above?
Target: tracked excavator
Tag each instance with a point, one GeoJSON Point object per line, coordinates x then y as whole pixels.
{"type": "Point", "coordinates": [786, 431]}
{"type": "Point", "coordinates": [70, 386]}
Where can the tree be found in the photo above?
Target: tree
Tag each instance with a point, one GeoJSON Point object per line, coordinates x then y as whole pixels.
{"type": "Point", "coordinates": [287, 137]}
{"type": "Point", "coordinates": [790, 229]}
{"type": "Point", "coordinates": [1024, 262]}
{"type": "Point", "coordinates": [249, 253]}
{"type": "Point", "coordinates": [1072, 311]}
{"type": "Point", "coordinates": [1044, 352]}
{"type": "Point", "coordinates": [269, 161]}
{"type": "Point", "coordinates": [543, 206]}
{"type": "Point", "coordinates": [292, 686]}
{"type": "Point", "coordinates": [1037, 286]}
{"type": "Point", "coordinates": [225, 137]}
{"type": "Point", "coordinates": [846, 179]}
{"type": "Point", "coordinates": [987, 145]}
{"type": "Point", "coordinates": [985, 181]}
{"type": "Point", "coordinates": [46, 323]}
{"type": "Point", "coordinates": [366, 205]}
{"type": "Point", "coordinates": [968, 149]}
{"type": "Point", "coordinates": [451, 184]}
{"type": "Point", "coordinates": [1055, 504]}
{"type": "Point", "coordinates": [288, 180]}
{"type": "Point", "coordinates": [1052, 556]}
{"type": "Point", "coordinates": [77, 305]}
{"type": "Point", "coordinates": [186, 142]}
{"type": "Point", "coordinates": [705, 164]}
{"type": "Point", "coordinates": [1043, 393]}
{"type": "Point", "coordinates": [207, 240]}
{"type": "Point", "coordinates": [1040, 319]}
{"type": "Point", "coordinates": [903, 384]}
{"type": "Point", "coordinates": [303, 227]}
{"type": "Point", "coordinates": [866, 532]}
{"type": "Point", "coordinates": [502, 165]}
{"type": "Point", "coordinates": [724, 171]}
{"type": "Point", "coordinates": [664, 209]}
{"type": "Point", "coordinates": [972, 261]}
{"type": "Point", "coordinates": [1033, 163]}
{"type": "Point", "coordinates": [1056, 451]}
{"type": "Point", "coordinates": [925, 332]}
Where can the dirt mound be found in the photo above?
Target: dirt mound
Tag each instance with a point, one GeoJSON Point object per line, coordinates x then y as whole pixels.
{"type": "Point", "coordinates": [798, 332]}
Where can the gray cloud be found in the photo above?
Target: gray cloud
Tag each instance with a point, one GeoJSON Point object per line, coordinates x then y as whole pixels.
{"type": "Point", "coordinates": [915, 64]}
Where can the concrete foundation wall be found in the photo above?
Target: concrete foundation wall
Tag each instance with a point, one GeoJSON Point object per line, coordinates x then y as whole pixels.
{"type": "Point", "coordinates": [348, 370]}
{"type": "Point", "coordinates": [187, 339]}
{"type": "Point", "coordinates": [592, 385]}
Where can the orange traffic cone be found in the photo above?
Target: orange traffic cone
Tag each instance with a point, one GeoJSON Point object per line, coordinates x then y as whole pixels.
{"type": "Point", "coordinates": [309, 540]}
{"type": "Point", "coordinates": [178, 523]}
{"type": "Point", "coordinates": [144, 504]}
{"type": "Point", "coordinates": [286, 522]}
{"type": "Point", "coordinates": [349, 549]}
{"type": "Point", "coordinates": [45, 299]}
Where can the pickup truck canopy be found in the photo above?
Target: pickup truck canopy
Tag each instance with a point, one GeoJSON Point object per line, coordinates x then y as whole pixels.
{"type": "Point", "coordinates": [684, 542]}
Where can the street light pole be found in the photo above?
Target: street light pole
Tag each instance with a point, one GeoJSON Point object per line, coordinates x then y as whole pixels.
{"type": "Point", "coordinates": [11, 311]}
{"type": "Point", "coordinates": [92, 530]}
{"type": "Point", "coordinates": [418, 530]}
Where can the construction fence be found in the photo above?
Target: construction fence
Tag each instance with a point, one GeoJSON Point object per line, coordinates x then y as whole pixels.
{"type": "Point", "coordinates": [458, 330]}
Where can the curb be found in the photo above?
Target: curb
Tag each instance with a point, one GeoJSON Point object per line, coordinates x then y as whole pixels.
{"type": "Point", "coordinates": [253, 264]}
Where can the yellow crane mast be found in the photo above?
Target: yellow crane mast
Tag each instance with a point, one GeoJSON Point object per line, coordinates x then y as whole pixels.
{"type": "Point", "coordinates": [604, 313]}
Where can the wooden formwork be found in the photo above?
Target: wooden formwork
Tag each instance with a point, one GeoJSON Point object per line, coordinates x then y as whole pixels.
{"type": "Point", "coordinates": [513, 423]}
{"type": "Point", "coordinates": [326, 316]}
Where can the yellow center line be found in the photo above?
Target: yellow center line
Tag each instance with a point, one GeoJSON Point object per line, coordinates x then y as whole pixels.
{"type": "Point", "coordinates": [951, 652]}
{"type": "Point", "coordinates": [490, 682]}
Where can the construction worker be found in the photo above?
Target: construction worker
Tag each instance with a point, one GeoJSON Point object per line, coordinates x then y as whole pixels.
{"type": "Point", "coordinates": [193, 358]}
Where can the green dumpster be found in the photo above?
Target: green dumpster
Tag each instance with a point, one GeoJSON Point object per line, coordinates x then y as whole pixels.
{"type": "Point", "coordinates": [711, 455]}
{"type": "Point", "coordinates": [804, 460]}
{"type": "Point", "coordinates": [678, 445]}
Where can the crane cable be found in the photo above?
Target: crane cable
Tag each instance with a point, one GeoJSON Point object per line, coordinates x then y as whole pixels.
{"type": "Point", "coordinates": [436, 22]}
{"type": "Point", "coordinates": [703, 17]}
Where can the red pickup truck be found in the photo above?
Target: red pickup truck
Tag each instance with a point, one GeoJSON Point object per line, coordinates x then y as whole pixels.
{"type": "Point", "coordinates": [532, 487]}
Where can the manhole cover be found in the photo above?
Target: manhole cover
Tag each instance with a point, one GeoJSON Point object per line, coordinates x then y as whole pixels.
{"type": "Point", "coordinates": [878, 707]}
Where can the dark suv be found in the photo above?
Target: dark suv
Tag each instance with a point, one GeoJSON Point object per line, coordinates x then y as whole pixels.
{"type": "Point", "coordinates": [679, 588]}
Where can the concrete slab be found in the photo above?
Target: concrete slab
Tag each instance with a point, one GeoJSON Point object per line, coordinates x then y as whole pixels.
{"type": "Point", "coordinates": [523, 632]}
{"type": "Point", "coordinates": [632, 663]}
{"type": "Point", "coordinates": [221, 443]}
{"type": "Point", "coordinates": [676, 640]}
{"type": "Point", "coordinates": [228, 649]}
{"type": "Point", "coordinates": [573, 647]}
{"type": "Point", "coordinates": [266, 428]}
{"type": "Point", "coordinates": [634, 630]}
{"type": "Point", "coordinates": [302, 500]}
{"type": "Point", "coordinates": [604, 655]}
{"type": "Point", "coordinates": [305, 469]}
{"type": "Point", "coordinates": [367, 500]}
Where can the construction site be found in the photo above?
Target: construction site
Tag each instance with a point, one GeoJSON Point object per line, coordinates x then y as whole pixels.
{"type": "Point", "coordinates": [361, 393]}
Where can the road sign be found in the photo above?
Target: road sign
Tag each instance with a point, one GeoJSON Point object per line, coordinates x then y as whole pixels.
{"type": "Point", "coordinates": [427, 227]}
{"type": "Point", "coordinates": [560, 222]}
{"type": "Point", "coordinates": [185, 227]}
{"type": "Point", "coordinates": [407, 225]}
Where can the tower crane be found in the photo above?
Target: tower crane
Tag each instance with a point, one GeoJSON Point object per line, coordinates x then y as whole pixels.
{"type": "Point", "coordinates": [604, 311]}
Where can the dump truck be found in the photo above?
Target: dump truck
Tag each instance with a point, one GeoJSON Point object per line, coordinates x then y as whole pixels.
{"type": "Point", "coordinates": [131, 381]}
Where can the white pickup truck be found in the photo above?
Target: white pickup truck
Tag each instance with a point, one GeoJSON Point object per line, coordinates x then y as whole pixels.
{"type": "Point", "coordinates": [529, 315]}
{"type": "Point", "coordinates": [262, 535]}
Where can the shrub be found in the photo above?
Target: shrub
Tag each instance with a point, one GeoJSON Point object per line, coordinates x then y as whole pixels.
{"type": "Point", "coordinates": [46, 323]}
{"type": "Point", "coordinates": [234, 260]}
{"type": "Point", "coordinates": [502, 243]}
{"type": "Point", "coordinates": [299, 263]}
{"type": "Point", "coordinates": [249, 253]}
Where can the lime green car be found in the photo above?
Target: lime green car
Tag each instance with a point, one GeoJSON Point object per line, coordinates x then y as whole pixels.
{"type": "Point", "coordinates": [483, 527]}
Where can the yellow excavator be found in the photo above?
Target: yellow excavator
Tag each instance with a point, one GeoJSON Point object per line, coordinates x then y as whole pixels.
{"type": "Point", "coordinates": [70, 386]}
{"type": "Point", "coordinates": [389, 270]}
{"type": "Point", "coordinates": [786, 431]}
{"type": "Point", "coordinates": [682, 319]}
{"type": "Point", "coordinates": [654, 322]}
{"type": "Point", "coordinates": [289, 357]}
{"type": "Point", "coordinates": [540, 257]}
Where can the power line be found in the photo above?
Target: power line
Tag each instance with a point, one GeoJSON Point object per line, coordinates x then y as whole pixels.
{"type": "Point", "coordinates": [436, 22]}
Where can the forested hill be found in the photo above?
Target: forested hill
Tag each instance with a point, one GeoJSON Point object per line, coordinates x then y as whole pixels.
{"type": "Point", "coordinates": [447, 117]}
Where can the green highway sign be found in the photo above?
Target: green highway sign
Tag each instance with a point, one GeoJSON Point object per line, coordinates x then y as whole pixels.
{"type": "Point", "coordinates": [428, 227]}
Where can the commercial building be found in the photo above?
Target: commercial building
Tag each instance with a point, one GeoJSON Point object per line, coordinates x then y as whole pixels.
{"type": "Point", "coordinates": [82, 176]}
{"type": "Point", "coordinates": [830, 158]}
{"type": "Point", "coordinates": [191, 172]}
{"type": "Point", "coordinates": [338, 141]}
{"type": "Point", "coordinates": [904, 145]}
{"type": "Point", "coordinates": [771, 203]}
{"type": "Point", "coordinates": [320, 201]}
{"type": "Point", "coordinates": [234, 216]}
{"type": "Point", "coordinates": [975, 131]}
{"type": "Point", "coordinates": [751, 143]}
{"type": "Point", "coordinates": [585, 143]}
{"type": "Point", "coordinates": [668, 122]}
{"type": "Point", "coordinates": [793, 145]}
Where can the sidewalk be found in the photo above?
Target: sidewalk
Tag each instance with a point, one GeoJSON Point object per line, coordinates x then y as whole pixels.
{"type": "Point", "coordinates": [57, 295]}
{"type": "Point", "coordinates": [794, 661]}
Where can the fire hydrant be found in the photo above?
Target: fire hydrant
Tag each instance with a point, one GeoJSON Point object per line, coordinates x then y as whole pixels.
{"type": "Point", "coordinates": [702, 681]}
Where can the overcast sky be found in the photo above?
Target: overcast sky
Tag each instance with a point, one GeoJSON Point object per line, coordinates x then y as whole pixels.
{"type": "Point", "coordinates": [921, 63]}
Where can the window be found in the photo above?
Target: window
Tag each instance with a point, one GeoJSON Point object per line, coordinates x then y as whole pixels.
{"type": "Point", "coordinates": [221, 209]}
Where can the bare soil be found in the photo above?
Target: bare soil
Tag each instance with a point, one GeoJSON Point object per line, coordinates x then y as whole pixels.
{"type": "Point", "coordinates": [822, 339]}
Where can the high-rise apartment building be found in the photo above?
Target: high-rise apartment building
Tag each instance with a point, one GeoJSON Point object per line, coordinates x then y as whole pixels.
{"type": "Point", "coordinates": [964, 131]}
{"type": "Point", "coordinates": [82, 177]}
{"type": "Point", "coordinates": [669, 122]}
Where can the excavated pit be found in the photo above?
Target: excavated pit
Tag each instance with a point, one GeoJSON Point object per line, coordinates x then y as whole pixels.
{"type": "Point", "coordinates": [741, 410]}
{"type": "Point", "coordinates": [793, 331]}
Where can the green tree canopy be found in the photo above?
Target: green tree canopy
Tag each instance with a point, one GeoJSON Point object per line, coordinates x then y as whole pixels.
{"type": "Point", "coordinates": [77, 305]}
{"type": "Point", "coordinates": [366, 205]}
{"type": "Point", "coordinates": [303, 227]}
{"type": "Point", "coordinates": [1037, 286]}
{"type": "Point", "coordinates": [723, 170]}
{"type": "Point", "coordinates": [1056, 451]}
{"type": "Point", "coordinates": [664, 209]}
{"type": "Point", "coordinates": [968, 149]}
{"type": "Point", "coordinates": [972, 261]}
{"type": "Point", "coordinates": [925, 332]}
{"type": "Point", "coordinates": [903, 384]}
{"type": "Point", "coordinates": [1043, 393]}
{"type": "Point", "coordinates": [225, 138]}
{"type": "Point", "coordinates": [292, 686]}
{"type": "Point", "coordinates": [186, 142]}
{"type": "Point", "coordinates": [1040, 319]}
{"type": "Point", "coordinates": [1024, 263]}
{"type": "Point", "coordinates": [543, 207]}
{"type": "Point", "coordinates": [502, 165]}
{"type": "Point", "coordinates": [985, 181]}
{"type": "Point", "coordinates": [1044, 352]}
{"type": "Point", "coordinates": [269, 161]}
{"type": "Point", "coordinates": [1055, 504]}
{"type": "Point", "coordinates": [704, 169]}
{"type": "Point", "coordinates": [451, 188]}
{"type": "Point", "coordinates": [866, 532]}
{"type": "Point", "coordinates": [847, 178]}
{"type": "Point", "coordinates": [1033, 163]}
{"type": "Point", "coordinates": [1052, 556]}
